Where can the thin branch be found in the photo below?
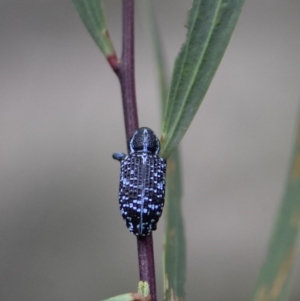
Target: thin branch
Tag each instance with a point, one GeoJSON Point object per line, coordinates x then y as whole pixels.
{"type": "Point", "coordinates": [125, 72]}
{"type": "Point", "coordinates": [146, 263]}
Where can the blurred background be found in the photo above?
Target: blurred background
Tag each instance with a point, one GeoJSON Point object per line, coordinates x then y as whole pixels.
{"type": "Point", "coordinates": [61, 233]}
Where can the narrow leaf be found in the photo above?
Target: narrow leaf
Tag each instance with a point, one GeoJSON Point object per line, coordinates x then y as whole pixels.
{"type": "Point", "coordinates": [274, 279]}
{"type": "Point", "coordinates": [129, 297]}
{"type": "Point", "coordinates": [174, 253]}
{"type": "Point", "coordinates": [92, 15]}
{"type": "Point", "coordinates": [210, 26]}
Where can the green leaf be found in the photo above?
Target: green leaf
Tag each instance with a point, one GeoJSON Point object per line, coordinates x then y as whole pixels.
{"type": "Point", "coordinates": [210, 26]}
{"type": "Point", "coordinates": [128, 297]}
{"type": "Point", "coordinates": [274, 279]}
{"type": "Point", "coordinates": [92, 15]}
{"type": "Point", "coordinates": [174, 253]}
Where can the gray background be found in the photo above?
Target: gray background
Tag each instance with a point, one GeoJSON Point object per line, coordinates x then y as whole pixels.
{"type": "Point", "coordinates": [61, 234]}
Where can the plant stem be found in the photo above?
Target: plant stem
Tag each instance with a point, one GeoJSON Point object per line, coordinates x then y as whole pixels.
{"type": "Point", "coordinates": [125, 72]}
{"type": "Point", "coordinates": [146, 263]}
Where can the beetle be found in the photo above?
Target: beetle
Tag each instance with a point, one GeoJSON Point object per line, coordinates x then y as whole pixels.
{"type": "Point", "coordinates": [142, 182]}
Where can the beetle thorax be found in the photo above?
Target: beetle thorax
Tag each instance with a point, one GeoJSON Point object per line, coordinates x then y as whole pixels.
{"type": "Point", "coordinates": [144, 140]}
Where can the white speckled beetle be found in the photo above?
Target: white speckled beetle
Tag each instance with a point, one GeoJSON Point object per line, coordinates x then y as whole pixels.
{"type": "Point", "coordinates": [142, 182]}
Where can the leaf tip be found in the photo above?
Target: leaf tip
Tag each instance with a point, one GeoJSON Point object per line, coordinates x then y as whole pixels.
{"type": "Point", "coordinates": [138, 297]}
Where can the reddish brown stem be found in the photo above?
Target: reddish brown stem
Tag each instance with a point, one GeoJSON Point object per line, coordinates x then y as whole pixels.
{"type": "Point", "coordinates": [146, 263]}
{"type": "Point", "coordinates": [125, 72]}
